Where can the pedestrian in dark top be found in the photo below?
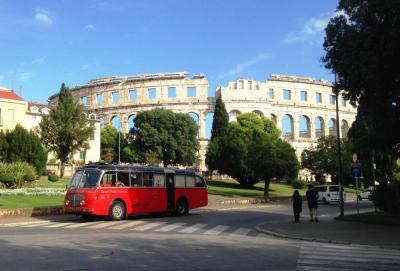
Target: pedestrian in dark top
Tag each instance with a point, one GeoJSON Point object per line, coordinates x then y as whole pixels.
{"type": "Point", "coordinates": [312, 199]}
{"type": "Point", "coordinates": [297, 205]}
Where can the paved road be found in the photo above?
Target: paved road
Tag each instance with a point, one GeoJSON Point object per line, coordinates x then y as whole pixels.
{"type": "Point", "coordinates": [208, 239]}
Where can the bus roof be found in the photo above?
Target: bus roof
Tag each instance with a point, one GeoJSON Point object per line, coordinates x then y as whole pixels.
{"type": "Point", "coordinates": [139, 169]}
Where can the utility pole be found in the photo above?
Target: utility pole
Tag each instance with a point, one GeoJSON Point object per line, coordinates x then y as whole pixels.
{"type": "Point", "coordinates": [119, 143]}
{"type": "Point", "coordinates": [341, 203]}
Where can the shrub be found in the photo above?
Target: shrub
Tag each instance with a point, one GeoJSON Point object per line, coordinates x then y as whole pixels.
{"type": "Point", "coordinates": [387, 198]}
{"type": "Point", "coordinates": [298, 184]}
{"type": "Point", "coordinates": [53, 178]}
{"type": "Point", "coordinates": [29, 178]}
{"type": "Point", "coordinates": [396, 177]}
{"type": "Point", "coordinates": [17, 170]}
{"type": "Point", "coordinates": [7, 179]}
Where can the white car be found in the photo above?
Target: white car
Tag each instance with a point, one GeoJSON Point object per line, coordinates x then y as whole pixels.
{"type": "Point", "coordinates": [329, 193]}
{"type": "Point", "coordinates": [366, 194]}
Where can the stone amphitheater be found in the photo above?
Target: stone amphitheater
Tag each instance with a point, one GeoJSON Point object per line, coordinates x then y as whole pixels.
{"type": "Point", "coordinates": [302, 107]}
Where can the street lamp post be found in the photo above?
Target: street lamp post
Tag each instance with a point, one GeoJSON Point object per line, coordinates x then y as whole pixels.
{"type": "Point", "coordinates": [119, 143]}
{"type": "Point", "coordinates": [336, 91]}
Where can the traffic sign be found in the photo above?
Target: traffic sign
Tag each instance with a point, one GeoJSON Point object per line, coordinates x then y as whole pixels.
{"type": "Point", "coordinates": [356, 170]}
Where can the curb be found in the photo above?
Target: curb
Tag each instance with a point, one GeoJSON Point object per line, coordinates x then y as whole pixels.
{"type": "Point", "coordinates": [295, 237]}
{"type": "Point", "coordinates": [31, 212]}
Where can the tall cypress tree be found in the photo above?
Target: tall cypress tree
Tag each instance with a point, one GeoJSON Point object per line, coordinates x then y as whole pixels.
{"type": "Point", "coordinates": [220, 122]}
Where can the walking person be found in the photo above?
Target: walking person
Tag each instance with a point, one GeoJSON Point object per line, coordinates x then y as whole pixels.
{"type": "Point", "coordinates": [297, 205]}
{"type": "Point", "coordinates": [312, 199]}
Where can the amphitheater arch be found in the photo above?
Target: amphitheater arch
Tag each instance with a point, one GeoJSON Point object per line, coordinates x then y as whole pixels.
{"type": "Point", "coordinates": [195, 117]}
{"type": "Point", "coordinates": [319, 127]}
{"type": "Point", "coordinates": [273, 118]}
{"type": "Point", "coordinates": [116, 122]}
{"type": "Point", "coordinates": [287, 126]}
{"type": "Point", "coordinates": [258, 112]}
{"type": "Point", "coordinates": [304, 127]}
{"type": "Point", "coordinates": [234, 114]}
{"type": "Point", "coordinates": [209, 122]}
{"type": "Point", "coordinates": [344, 128]}
{"type": "Point", "coordinates": [131, 121]}
{"type": "Point", "coordinates": [332, 127]}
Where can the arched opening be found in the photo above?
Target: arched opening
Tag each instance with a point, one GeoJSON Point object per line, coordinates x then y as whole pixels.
{"type": "Point", "coordinates": [287, 126]}
{"type": "Point", "coordinates": [233, 115]}
{"type": "Point", "coordinates": [332, 127]}
{"type": "Point", "coordinates": [131, 121]}
{"type": "Point", "coordinates": [195, 117]}
{"type": "Point", "coordinates": [304, 127]}
{"type": "Point", "coordinates": [116, 122]}
{"type": "Point", "coordinates": [258, 112]}
{"type": "Point", "coordinates": [344, 128]}
{"type": "Point", "coordinates": [273, 118]}
{"type": "Point", "coordinates": [319, 127]}
{"type": "Point", "coordinates": [209, 122]}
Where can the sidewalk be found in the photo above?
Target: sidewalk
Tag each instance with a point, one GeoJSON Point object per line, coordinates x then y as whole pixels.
{"type": "Point", "coordinates": [328, 230]}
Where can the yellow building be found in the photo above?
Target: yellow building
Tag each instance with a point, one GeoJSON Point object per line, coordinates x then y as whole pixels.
{"type": "Point", "coordinates": [12, 109]}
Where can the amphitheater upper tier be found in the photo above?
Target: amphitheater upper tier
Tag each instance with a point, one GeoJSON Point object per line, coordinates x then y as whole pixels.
{"type": "Point", "coordinates": [302, 107]}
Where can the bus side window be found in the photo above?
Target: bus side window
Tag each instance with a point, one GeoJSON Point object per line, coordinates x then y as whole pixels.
{"type": "Point", "coordinates": [109, 179]}
{"type": "Point", "coordinates": [159, 180]}
{"type": "Point", "coordinates": [179, 180]}
{"type": "Point", "coordinates": [136, 179]}
{"type": "Point", "coordinates": [199, 182]}
{"type": "Point", "coordinates": [148, 179]}
{"type": "Point", "coordinates": [123, 179]}
{"type": "Point", "coordinates": [190, 181]}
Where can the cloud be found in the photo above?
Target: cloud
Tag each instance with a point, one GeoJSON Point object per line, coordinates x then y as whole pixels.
{"type": "Point", "coordinates": [43, 16]}
{"type": "Point", "coordinates": [90, 27]}
{"type": "Point", "coordinates": [239, 68]}
{"type": "Point", "coordinates": [310, 31]}
{"type": "Point", "coordinates": [25, 76]}
{"type": "Point", "coordinates": [38, 61]}
{"type": "Point", "coordinates": [1, 78]}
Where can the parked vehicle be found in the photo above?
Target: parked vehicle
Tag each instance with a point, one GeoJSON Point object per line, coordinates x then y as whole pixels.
{"type": "Point", "coordinates": [118, 191]}
{"type": "Point", "coordinates": [329, 193]}
{"type": "Point", "coordinates": [365, 194]}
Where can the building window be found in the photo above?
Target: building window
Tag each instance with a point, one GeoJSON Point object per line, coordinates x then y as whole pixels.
{"type": "Point", "coordinates": [271, 93]}
{"type": "Point", "coordinates": [81, 155]}
{"type": "Point", "coordinates": [84, 100]}
{"type": "Point", "coordinates": [152, 93]}
{"type": "Point", "coordinates": [115, 97]}
{"type": "Point", "coordinates": [11, 114]}
{"type": "Point", "coordinates": [343, 101]}
{"type": "Point", "coordinates": [172, 92]}
{"type": "Point", "coordinates": [191, 91]}
{"type": "Point", "coordinates": [318, 97]}
{"type": "Point", "coordinates": [99, 99]}
{"type": "Point", "coordinates": [331, 99]}
{"type": "Point", "coordinates": [303, 96]}
{"type": "Point", "coordinates": [132, 95]}
{"type": "Point", "coordinates": [287, 94]}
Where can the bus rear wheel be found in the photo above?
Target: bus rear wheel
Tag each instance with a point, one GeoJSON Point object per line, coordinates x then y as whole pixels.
{"type": "Point", "coordinates": [181, 207]}
{"type": "Point", "coordinates": [117, 211]}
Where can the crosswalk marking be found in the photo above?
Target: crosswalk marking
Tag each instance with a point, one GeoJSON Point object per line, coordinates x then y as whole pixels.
{"type": "Point", "coordinates": [241, 231]}
{"type": "Point", "coordinates": [148, 226]}
{"type": "Point", "coordinates": [57, 225]}
{"type": "Point", "coordinates": [104, 225]}
{"type": "Point", "coordinates": [80, 225]}
{"type": "Point", "coordinates": [35, 224]}
{"type": "Point", "coordinates": [127, 225]}
{"type": "Point", "coordinates": [193, 228]}
{"type": "Point", "coordinates": [334, 257]}
{"type": "Point", "coordinates": [170, 227]}
{"type": "Point", "coordinates": [216, 230]}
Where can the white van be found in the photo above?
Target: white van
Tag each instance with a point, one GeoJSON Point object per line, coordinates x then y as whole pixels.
{"type": "Point", "coordinates": [329, 193]}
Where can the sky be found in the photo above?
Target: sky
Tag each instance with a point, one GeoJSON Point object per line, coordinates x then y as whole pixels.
{"type": "Point", "coordinates": [46, 43]}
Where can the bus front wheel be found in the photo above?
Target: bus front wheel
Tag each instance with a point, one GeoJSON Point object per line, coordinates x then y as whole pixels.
{"type": "Point", "coordinates": [181, 207]}
{"type": "Point", "coordinates": [117, 211]}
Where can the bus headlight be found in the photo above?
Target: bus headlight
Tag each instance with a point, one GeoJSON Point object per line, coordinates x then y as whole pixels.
{"type": "Point", "coordinates": [82, 202]}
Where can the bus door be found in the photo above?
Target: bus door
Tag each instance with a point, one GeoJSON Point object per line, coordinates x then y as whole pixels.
{"type": "Point", "coordinates": [170, 191]}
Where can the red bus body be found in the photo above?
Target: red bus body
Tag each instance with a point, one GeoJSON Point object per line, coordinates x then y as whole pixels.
{"type": "Point", "coordinates": [95, 188]}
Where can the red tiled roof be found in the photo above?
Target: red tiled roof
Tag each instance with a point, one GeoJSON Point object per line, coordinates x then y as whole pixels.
{"type": "Point", "coordinates": [10, 95]}
{"type": "Point", "coordinates": [38, 105]}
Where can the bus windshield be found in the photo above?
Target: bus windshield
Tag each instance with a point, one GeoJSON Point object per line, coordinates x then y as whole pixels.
{"type": "Point", "coordinates": [85, 179]}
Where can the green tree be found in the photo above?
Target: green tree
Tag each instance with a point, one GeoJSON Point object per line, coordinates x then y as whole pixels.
{"type": "Point", "coordinates": [66, 129]}
{"type": "Point", "coordinates": [169, 137]}
{"type": "Point", "coordinates": [254, 152]}
{"type": "Point", "coordinates": [27, 147]}
{"type": "Point", "coordinates": [322, 159]}
{"type": "Point", "coordinates": [220, 122]}
{"type": "Point", "coordinates": [362, 47]}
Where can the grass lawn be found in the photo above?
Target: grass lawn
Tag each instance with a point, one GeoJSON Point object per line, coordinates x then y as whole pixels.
{"type": "Point", "coordinates": [20, 201]}
{"type": "Point", "coordinates": [373, 218]}
{"type": "Point", "coordinates": [44, 183]}
{"type": "Point", "coordinates": [233, 189]}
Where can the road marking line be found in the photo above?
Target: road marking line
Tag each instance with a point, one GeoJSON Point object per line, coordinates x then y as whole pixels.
{"type": "Point", "coordinates": [104, 224]}
{"type": "Point", "coordinates": [57, 225]}
{"type": "Point", "coordinates": [193, 228]}
{"type": "Point", "coordinates": [216, 230]}
{"type": "Point", "coordinates": [240, 231]}
{"type": "Point", "coordinates": [127, 225]}
{"type": "Point", "coordinates": [31, 225]}
{"type": "Point", "coordinates": [80, 224]}
{"type": "Point", "coordinates": [170, 227]}
{"type": "Point", "coordinates": [148, 226]}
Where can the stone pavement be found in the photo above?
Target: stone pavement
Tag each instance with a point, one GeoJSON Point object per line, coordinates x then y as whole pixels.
{"type": "Point", "coordinates": [328, 230]}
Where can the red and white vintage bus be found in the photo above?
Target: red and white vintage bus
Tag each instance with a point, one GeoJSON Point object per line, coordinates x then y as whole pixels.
{"type": "Point", "coordinates": [119, 191]}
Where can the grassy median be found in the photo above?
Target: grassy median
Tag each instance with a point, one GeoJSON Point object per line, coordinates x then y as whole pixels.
{"type": "Point", "coordinates": [24, 201]}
